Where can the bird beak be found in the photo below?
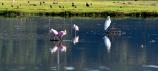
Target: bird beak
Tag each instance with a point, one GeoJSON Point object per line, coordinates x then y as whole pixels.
{"type": "Point", "coordinates": [65, 31]}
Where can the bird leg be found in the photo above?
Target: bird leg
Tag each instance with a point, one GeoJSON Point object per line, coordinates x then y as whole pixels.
{"type": "Point", "coordinates": [56, 38]}
{"type": "Point", "coordinates": [60, 38]}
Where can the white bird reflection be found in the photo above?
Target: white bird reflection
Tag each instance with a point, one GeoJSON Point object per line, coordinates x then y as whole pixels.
{"type": "Point", "coordinates": [75, 40]}
{"type": "Point", "coordinates": [151, 66]}
{"type": "Point", "coordinates": [107, 43]}
{"type": "Point", "coordinates": [76, 37]}
{"type": "Point", "coordinates": [58, 47]}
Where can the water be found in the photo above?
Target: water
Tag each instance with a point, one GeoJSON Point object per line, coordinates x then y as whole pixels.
{"type": "Point", "coordinates": [131, 44]}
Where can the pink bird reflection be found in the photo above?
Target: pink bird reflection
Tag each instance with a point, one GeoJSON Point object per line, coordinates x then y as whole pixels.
{"type": "Point", "coordinates": [58, 47]}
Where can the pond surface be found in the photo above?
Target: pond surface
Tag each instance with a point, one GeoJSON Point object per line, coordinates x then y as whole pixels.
{"type": "Point", "coordinates": [131, 44]}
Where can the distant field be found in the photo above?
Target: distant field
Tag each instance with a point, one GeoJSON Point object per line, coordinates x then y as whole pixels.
{"type": "Point", "coordinates": [79, 0]}
{"type": "Point", "coordinates": [35, 6]}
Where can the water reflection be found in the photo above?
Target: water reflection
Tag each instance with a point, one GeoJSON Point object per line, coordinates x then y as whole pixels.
{"type": "Point", "coordinates": [58, 49]}
{"type": "Point", "coordinates": [75, 40]}
{"type": "Point", "coordinates": [25, 45]}
{"type": "Point", "coordinates": [58, 46]}
{"type": "Point", "coordinates": [75, 31]}
{"type": "Point", "coordinates": [107, 43]}
{"type": "Point", "coordinates": [151, 66]}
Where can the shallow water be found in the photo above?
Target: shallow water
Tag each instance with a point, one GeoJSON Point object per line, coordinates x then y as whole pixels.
{"type": "Point", "coordinates": [25, 44]}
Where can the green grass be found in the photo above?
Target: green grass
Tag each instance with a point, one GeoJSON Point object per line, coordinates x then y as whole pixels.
{"type": "Point", "coordinates": [97, 6]}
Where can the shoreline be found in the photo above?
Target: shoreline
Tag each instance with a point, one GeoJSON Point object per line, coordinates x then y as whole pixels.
{"type": "Point", "coordinates": [79, 14]}
{"type": "Point", "coordinates": [80, 9]}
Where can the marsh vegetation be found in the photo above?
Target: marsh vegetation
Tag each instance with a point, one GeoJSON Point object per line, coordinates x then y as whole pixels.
{"type": "Point", "coordinates": [80, 8]}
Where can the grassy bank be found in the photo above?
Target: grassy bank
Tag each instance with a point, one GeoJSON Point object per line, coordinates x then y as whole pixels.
{"type": "Point", "coordinates": [97, 8]}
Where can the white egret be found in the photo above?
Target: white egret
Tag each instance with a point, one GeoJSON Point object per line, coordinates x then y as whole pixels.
{"type": "Point", "coordinates": [75, 27]}
{"type": "Point", "coordinates": [107, 23]}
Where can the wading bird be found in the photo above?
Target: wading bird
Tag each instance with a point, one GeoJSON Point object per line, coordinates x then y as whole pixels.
{"type": "Point", "coordinates": [57, 35]}
{"type": "Point", "coordinates": [76, 28]}
{"type": "Point", "coordinates": [107, 23]}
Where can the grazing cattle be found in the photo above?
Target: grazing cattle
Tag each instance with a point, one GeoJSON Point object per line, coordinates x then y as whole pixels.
{"type": "Point", "coordinates": [73, 5]}
{"type": "Point", "coordinates": [33, 4]}
{"type": "Point", "coordinates": [61, 6]}
{"type": "Point", "coordinates": [91, 4]}
{"type": "Point", "coordinates": [28, 1]}
{"type": "Point", "coordinates": [17, 7]}
{"type": "Point", "coordinates": [40, 3]}
{"type": "Point", "coordinates": [124, 3]}
{"type": "Point", "coordinates": [87, 5]}
{"type": "Point", "coordinates": [11, 5]}
{"type": "Point", "coordinates": [50, 6]}
{"type": "Point", "coordinates": [55, 2]}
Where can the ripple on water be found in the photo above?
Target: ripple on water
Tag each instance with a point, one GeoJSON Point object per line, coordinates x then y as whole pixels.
{"type": "Point", "coordinates": [53, 68]}
{"type": "Point", "coordinates": [104, 68]}
{"type": "Point", "coordinates": [69, 68]}
{"type": "Point", "coordinates": [151, 66]}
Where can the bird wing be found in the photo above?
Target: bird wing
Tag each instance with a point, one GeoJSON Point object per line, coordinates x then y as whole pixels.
{"type": "Point", "coordinates": [54, 49]}
{"type": "Point", "coordinates": [63, 48]}
{"type": "Point", "coordinates": [62, 33]}
{"type": "Point", "coordinates": [107, 24]}
{"type": "Point", "coordinates": [76, 27]}
{"type": "Point", "coordinates": [54, 31]}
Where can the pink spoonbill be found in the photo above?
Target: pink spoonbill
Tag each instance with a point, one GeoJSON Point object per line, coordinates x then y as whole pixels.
{"type": "Point", "coordinates": [57, 34]}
